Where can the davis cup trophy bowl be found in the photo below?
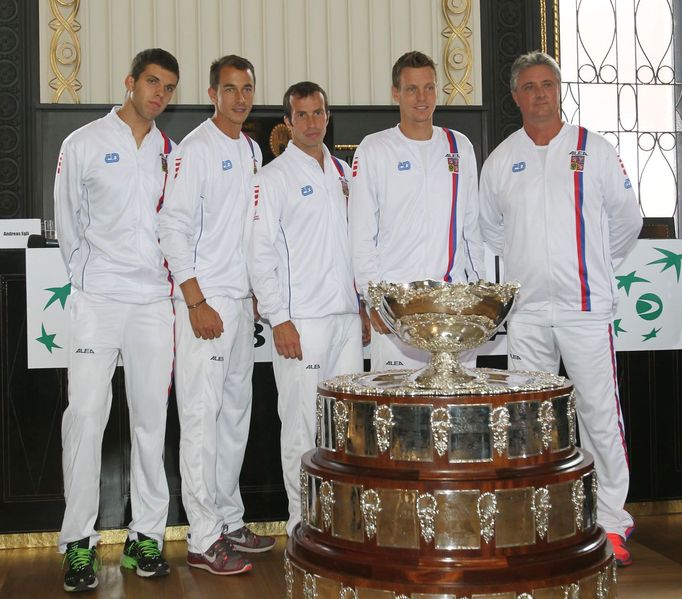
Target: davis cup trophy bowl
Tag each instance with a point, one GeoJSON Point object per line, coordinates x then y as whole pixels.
{"type": "Point", "coordinates": [444, 319]}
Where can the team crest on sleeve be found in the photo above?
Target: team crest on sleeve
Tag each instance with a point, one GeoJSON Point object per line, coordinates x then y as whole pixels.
{"type": "Point", "coordinates": [178, 160]}
{"type": "Point", "coordinates": [626, 182]}
{"type": "Point", "coordinates": [355, 166]}
{"type": "Point", "coordinates": [453, 163]}
{"type": "Point", "coordinates": [578, 160]}
{"type": "Point", "coordinates": [59, 163]}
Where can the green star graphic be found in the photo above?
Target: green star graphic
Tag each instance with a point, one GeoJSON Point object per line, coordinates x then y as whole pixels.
{"type": "Point", "coordinates": [671, 259]}
{"type": "Point", "coordinates": [626, 281]}
{"type": "Point", "coordinates": [58, 293]}
{"type": "Point", "coordinates": [653, 333]}
{"type": "Point", "coordinates": [617, 328]}
{"type": "Point", "coordinates": [48, 340]}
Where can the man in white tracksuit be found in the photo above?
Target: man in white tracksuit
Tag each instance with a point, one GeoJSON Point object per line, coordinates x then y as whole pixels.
{"type": "Point", "coordinates": [557, 204]}
{"type": "Point", "coordinates": [413, 211]}
{"type": "Point", "coordinates": [202, 229]}
{"type": "Point", "coordinates": [109, 187]}
{"type": "Point", "coordinates": [300, 268]}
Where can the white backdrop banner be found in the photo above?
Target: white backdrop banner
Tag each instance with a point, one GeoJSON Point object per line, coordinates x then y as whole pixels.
{"type": "Point", "coordinates": [648, 316]}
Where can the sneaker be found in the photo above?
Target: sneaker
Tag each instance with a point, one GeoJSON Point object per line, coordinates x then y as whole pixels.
{"type": "Point", "coordinates": [83, 566]}
{"type": "Point", "coordinates": [248, 542]}
{"type": "Point", "coordinates": [620, 552]}
{"type": "Point", "coordinates": [144, 556]}
{"type": "Point", "coordinates": [221, 558]}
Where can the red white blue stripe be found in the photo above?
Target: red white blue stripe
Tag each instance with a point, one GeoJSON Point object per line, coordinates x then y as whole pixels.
{"type": "Point", "coordinates": [578, 194]}
{"type": "Point", "coordinates": [452, 242]}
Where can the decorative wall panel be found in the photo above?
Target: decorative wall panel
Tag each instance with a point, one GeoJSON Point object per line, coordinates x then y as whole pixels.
{"type": "Point", "coordinates": [347, 46]}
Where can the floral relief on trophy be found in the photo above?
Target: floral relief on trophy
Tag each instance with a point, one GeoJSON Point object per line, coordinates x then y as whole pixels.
{"type": "Point", "coordinates": [340, 423]}
{"type": "Point", "coordinates": [541, 509]}
{"type": "Point", "coordinates": [303, 482]}
{"type": "Point", "coordinates": [572, 591]}
{"type": "Point", "coordinates": [327, 503]}
{"type": "Point", "coordinates": [370, 504]}
{"type": "Point", "coordinates": [348, 593]}
{"type": "Point", "coordinates": [578, 501]}
{"type": "Point", "coordinates": [547, 421]}
{"type": "Point", "coordinates": [500, 423]}
{"type": "Point", "coordinates": [441, 425]}
{"type": "Point", "coordinates": [571, 419]}
{"type": "Point", "coordinates": [487, 510]}
{"type": "Point", "coordinates": [288, 576]}
{"type": "Point", "coordinates": [383, 424]}
{"type": "Point", "coordinates": [595, 491]}
{"type": "Point", "coordinates": [319, 414]}
{"type": "Point", "coordinates": [427, 510]}
{"type": "Point", "coordinates": [309, 586]}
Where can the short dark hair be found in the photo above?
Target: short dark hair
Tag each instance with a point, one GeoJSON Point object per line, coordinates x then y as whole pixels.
{"type": "Point", "coordinates": [414, 60]}
{"type": "Point", "coordinates": [532, 59]}
{"type": "Point", "coordinates": [155, 56]}
{"type": "Point", "coordinates": [231, 60]}
{"type": "Point", "coordinates": [302, 89]}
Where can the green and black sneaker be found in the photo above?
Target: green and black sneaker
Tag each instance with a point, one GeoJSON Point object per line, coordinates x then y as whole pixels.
{"type": "Point", "coordinates": [144, 557]}
{"type": "Point", "coordinates": [83, 566]}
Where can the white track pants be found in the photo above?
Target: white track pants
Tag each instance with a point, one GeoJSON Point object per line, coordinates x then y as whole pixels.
{"type": "Point", "coordinates": [590, 360]}
{"type": "Point", "coordinates": [387, 352]}
{"type": "Point", "coordinates": [143, 334]}
{"type": "Point", "coordinates": [213, 388]}
{"type": "Point", "coordinates": [331, 346]}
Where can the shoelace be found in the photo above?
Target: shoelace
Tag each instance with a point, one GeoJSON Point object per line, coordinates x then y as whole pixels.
{"type": "Point", "coordinates": [78, 557]}
{"type": "Point", "coordinates": [149, 548]}
{"type": "Point", "coordinates": [225, 550]}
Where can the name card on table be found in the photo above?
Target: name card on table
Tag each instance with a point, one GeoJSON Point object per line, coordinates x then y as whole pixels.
{"type": "Point", "coordinates": [14, 232]}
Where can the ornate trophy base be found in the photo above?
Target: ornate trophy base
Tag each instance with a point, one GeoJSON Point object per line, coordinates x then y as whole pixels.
{"type": "Point", "coordinates": [476, 493]}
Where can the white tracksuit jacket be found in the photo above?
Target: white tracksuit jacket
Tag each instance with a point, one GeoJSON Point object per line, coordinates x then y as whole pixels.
{"type": "Point", "coordinates": [196, 228]}
{"type": "Point", "coordinates": [299, 259]}
{"type": "Point", "coordinates": [562, 222]}
{"type": "Point", "coordinates": [413, 209]}
{"type": "Point", "coordinates": [107, 196]}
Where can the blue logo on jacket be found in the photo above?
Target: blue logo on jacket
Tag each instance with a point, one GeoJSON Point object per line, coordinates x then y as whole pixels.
{"type": "Point", "coordinates": [227, 165]}
{"type": "Point", "coordinates": [111, 158]}
{"type": "Point", "coordinates": [404, 166]}
{"type": "Point", "coordinates": [306, 190]}
{"type": "Point", "coordinates": [518, 167]}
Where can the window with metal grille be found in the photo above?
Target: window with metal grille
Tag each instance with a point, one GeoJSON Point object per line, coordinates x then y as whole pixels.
{"type": "Point", "coordinates": [622, 76]}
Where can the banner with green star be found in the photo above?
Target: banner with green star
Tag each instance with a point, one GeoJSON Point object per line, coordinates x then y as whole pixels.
{"type": "Point", "coordinates": [650, 297]}
{"type": "Point", "coordinates": [47, 308]}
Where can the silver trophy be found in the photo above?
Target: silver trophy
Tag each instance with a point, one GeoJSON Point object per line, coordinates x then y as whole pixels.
{"type": "Point", "coordinates": [444, 319]}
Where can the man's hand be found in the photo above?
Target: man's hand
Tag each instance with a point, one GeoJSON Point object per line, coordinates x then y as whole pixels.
{"type": "Point", "coordinates": [377, 323]}
{"type": "Point", "coordinates": [366, 325]}
{"type": "Point", "coordinates": [206, 322]}
{"type": "Point", "coordinates": [256, 313]}
{"type": "Point", "coordinates": [287, 340]}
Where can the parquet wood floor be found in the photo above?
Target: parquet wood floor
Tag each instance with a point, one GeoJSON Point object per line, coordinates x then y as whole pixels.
{"type": "Point", "coordinates": [656, 573]}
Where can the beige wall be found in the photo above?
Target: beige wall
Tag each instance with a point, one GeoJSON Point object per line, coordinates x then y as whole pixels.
{"type": "Point", "coordinates": [347, 46]}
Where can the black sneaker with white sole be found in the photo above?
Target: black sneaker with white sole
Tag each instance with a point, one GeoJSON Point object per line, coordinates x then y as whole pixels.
{"type": "Point", "coordinates": [144, 556]}
{"type": "Point", "coordinates": [83, 564]}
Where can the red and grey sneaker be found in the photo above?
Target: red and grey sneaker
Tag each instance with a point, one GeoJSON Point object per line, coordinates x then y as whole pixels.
{"type": "Point", "coordinates": [81, 574]}
{"type": "Point", "coordinates": [620, 552]}
{"type": "Point", "coordinates": [248, 542]}
{"type": "Point", "coordinates": [221, 558]}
